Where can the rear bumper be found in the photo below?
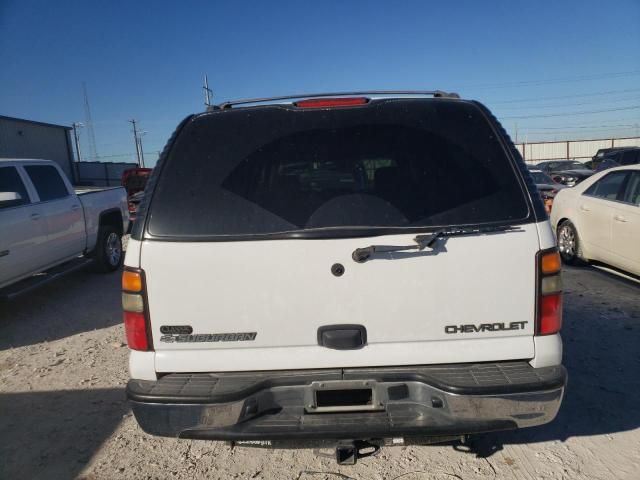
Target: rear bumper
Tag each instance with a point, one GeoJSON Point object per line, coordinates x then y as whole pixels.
{"type": "Point", "coordinates": [405, 401]}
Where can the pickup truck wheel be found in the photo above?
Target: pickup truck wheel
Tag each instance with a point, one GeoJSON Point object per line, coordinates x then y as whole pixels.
{"type": "Point", "coordinates": [569, 244]}
{"type": "Point", "coordinates": [108, 254]}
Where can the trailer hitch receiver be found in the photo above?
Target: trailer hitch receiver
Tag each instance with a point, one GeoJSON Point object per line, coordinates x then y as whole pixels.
{"type": "Point", "coordinates": [348, 452]}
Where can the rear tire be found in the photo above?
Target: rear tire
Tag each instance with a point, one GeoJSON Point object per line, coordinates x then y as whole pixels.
{"type": "Point", "coordinates": [108, 254]}
{"type": "Point", "coordinates": [569, 244]}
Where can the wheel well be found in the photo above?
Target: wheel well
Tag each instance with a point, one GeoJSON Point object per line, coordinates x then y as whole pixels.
{"type": "Point", "coordinates": [112, 218]}
{"type": "Point", "coordinates": [561, 221]}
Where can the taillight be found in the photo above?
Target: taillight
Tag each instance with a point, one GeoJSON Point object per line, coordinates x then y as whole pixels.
{"type": "Point", "coordinates": [549, 311]}
{"type": "Point", "coordinates": [550, 317]}
{"type": "Point", "coordinates": [331, 102]}
{"type": "Point", "coordinates": [132, 280]}
{"type": "Point", "coordinates": [135, 327]}
{"type": "Point", "coordinates": [136, 321]}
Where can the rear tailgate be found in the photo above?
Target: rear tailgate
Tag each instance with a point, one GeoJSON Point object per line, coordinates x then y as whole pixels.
{"type": "Point", "coordinates": [284, 291]}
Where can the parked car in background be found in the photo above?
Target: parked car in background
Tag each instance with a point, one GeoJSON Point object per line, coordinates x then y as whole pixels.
{"type": "Point", "coordinates": [605, 163]}
{"type": "Point", "coordinates": [614, 154]}
{"type": "Point", "coordinates": [599, 220]}
{"type": "Point", "coordinates": [551, 166]}
{"type": "Point", "coordinates": [565, 172]}
{"type": "Point", "coordinates": [619, 157]}
{"type": "Point", "coordinates": [324, 278]}
{"type": "Point", "coordinates": [546, 186]}
{"type": "Point", "coordinates": [134, 180]}
{"type": "Point", "coordinates": [134, 205]}
{"type": "Point", "coordinates": [45, 223]}
{"type": "Point", "coordinates": [571, 178]}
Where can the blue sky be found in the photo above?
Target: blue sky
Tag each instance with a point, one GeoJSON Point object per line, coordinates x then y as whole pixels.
{"type": "Point", "coordinates": [530, 62]}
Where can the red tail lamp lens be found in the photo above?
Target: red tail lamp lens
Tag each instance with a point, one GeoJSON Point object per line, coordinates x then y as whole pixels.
{"type": "Point", "coordinates": [135, 328]}
{"type": "Point", "coordinates": [331, 102]}
{"type": "Point", "coordinates": [550, 314]}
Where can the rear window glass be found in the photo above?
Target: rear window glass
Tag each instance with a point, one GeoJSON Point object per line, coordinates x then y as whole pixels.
{"type": "Point", "coordinates": [630, 157]}
{"type": "Point", "coordinates": [48, 182]}
{"type": "Point", "coordinates": [608, 187]}
{"type": "Point", "coordinates": [399, 164]}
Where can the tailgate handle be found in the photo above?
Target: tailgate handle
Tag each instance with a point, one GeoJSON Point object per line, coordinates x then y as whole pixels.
{"type": "Point", "coordinates": [342, 337]}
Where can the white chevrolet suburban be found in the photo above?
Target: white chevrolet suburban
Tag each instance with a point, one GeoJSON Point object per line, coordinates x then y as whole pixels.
{"type": "Point", "coordinates": [47, 226]}
{"type": "Point", "coordinates": [347, 266]}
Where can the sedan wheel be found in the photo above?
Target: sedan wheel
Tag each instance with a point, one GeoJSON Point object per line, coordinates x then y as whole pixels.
{"type": "Point", "coordinates": [569, 244]}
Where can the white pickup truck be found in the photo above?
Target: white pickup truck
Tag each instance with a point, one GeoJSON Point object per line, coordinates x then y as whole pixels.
{"type": "Point", "coordinates": [47, 226]}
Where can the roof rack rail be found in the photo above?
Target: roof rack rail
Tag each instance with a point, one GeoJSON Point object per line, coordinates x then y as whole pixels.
{"type": "Point", "coordinates": [431, 93]}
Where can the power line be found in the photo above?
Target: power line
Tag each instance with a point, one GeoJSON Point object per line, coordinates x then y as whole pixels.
{"type": "Point", "coordinates": [573, 132]}
{"type": "Point", "coordinates": [561, 105]}
{"type": "Point", "coordinates": [116, 155]}
{"type": "Point", "coordinates": [120, 155]}
{"type": "Point", "coordinates": [593, 122]}
{"type": "Point", "coordinates": [561, 97]}
{"type": "Point", "coordinates": [588, 127]}
{"type": "Point", "coordinates": [567, 114]}
{"type": "Point", "coordinates": [557, 80]}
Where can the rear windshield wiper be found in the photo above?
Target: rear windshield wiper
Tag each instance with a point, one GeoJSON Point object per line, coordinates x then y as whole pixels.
{"type": "Point", "coordinates": [361, 255]}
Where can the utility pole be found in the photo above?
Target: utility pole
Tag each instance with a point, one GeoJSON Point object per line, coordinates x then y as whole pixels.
{"type": "Point", "coordinates": [140, 135]}
{"type": "Point", "coordinates": [208, 93]}
{"type": "Point", "coordinates": [93, 152]}
{"type": "Point", "coordinates": [136, 140]}
{"type": "Point", "coordinates": [516, 129]}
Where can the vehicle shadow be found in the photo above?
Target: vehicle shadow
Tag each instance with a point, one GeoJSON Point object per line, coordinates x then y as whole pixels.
{"type": "Point", "coordinates": [54, 434]}
{"type": "Point", "coordinates": [80, 301]}
{"type": "Point", "coordinates": [601, 335]}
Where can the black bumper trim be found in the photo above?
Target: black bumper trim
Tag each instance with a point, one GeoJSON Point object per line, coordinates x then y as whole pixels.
{"type": "Point", "coordinates": [463, 379]}
{"type": "Point", "coordinates": [362, 431]}
{"type": "Point", "coordinates": [290, 412]}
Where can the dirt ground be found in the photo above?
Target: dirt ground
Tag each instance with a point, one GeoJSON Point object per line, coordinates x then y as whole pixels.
{"type": "Point", "coordinates": [63, 367]}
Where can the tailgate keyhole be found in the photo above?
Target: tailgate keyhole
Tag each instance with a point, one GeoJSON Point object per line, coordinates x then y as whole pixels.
{"type": "Point", "coordinates": [337, 269]}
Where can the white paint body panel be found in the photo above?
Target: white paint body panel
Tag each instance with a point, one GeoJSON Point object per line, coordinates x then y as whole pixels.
{"type": "Point", "coordinates": [548, 351]}
{"type": "Point", "coordinates": [603, 236]}
{"type": "Point", "coordinates": [22, 242]}
{"type": "Point", "coordinates": [284, 291]}
{"type": "Point", "coordinates": [373, 355]}
{"type": "Point", "coordinates": [132, 257]}
{"type": "Point", "coordinates": [142, 365]}
{"type": "Point", "coordinates": [95, 202]}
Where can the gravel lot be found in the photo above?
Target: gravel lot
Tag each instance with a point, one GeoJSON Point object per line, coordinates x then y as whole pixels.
{"type": "Point", "coordinates": [63, 367]}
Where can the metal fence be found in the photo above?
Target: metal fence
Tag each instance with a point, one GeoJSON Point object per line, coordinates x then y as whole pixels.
{"type": "Point", "coordinates": [101, 174]}
{"type": "Point", "coordinates": [571, 149]}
